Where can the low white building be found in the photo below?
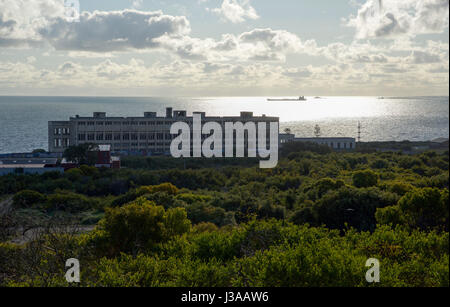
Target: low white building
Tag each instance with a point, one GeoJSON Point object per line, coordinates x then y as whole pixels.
{"type": "Point", "coordinates": [336, 143]}
{"type": "Point", "coordinates": [21, 166]}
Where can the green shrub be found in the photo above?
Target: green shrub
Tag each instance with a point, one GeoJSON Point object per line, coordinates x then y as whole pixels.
{"type": "Point", "coordinates": [425, 208]}
{"type": "Point", "coordinates": [352, 207]}
{"type": "Point", "coordinates": [27, 199]}
{"type": "Point", "coordinates": [138, 226]}
{"type": "Point", "coordinates": [365, 179]}
{"type": "Point", "coordinates": [380, 164]}
{"type": "Point", "coordinates": [400, 188]}
{"type": "Point", "coordinates": [421, 208]}
{"type": "Point", "coordinates": [70, 202]}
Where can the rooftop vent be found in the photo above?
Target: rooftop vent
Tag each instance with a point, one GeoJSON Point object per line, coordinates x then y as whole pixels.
{"type": "Point", "coordinates": [169, 112]}
{"type": "Point", "coordinates": [150, 114]}
{"type": "Point", "coordinates": [99, 114]}
{"type": "Point", "coordinates": [177, 114]}
{"type": "Point", "coordinates": [246, 114]}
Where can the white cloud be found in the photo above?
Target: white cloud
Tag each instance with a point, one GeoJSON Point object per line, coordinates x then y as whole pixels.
{"type": "Point", "coordinates": [41, 22]}
{"type": "Point", "coordinates": [390, 19]}
{"type": "Point", "coordinates": [236, 11]}
{"type": "Point", "coordinates": [255, 45]}
{"type": "Point", "coordinates": [20, 20]}
{"type": "Point", "coordinates": [184, 77]}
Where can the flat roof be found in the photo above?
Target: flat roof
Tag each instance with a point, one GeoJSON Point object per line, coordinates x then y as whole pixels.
{"type": "Point", "coordinates": [22, 165]}
{"type": "Point", "coordinates": [325, 138]}
{"type": "Point", "coordinates": [161, 117]}
{"type": "Point", "coordinates": [28, 161]}
{"type": "Point", "coordinates": [104, 147]}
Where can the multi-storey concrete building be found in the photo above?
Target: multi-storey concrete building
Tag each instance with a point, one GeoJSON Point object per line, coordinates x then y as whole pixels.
{"type": "Point", "coordinates": [149, 134]}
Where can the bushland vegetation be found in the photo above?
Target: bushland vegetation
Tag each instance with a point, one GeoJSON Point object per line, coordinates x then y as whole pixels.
{"type": "Point", "coordinates": [312, 221]}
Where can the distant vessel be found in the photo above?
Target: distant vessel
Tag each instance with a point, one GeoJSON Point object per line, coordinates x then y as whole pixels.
{"type": "Point", "coordinates": [301, 98]}
{"type": "Point", "coordinates": [381, 97]}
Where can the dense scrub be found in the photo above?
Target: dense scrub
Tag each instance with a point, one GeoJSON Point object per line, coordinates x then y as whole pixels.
{"type": "Point", "coordinates": [312, 221]}
{"type": "Point", "coordinates": [269, 253]}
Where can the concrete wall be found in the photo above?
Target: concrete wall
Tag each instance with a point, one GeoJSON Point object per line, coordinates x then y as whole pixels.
{"type": "Point", "coordinates": [60, 136]}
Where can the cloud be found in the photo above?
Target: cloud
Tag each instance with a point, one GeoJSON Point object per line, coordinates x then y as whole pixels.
{"type": "Point", "coordinates": [20, 20]}
{"type": "Point", "coordinates": [68, 69]}
{"type": "Point", "coordinates": [368, 58]}
{"type": "Point", "coordinates": [420, 57]}
{"type": "Point", "coordinates": [439, 70]}
{"type": "Point", "coordinates": [40, 22]}
{"type": "Point", "coordinates": [254, 60]}
{"type": "Point", "coordinates": [255, 45]}
{"type": "Point", "coordinates": [236, 11]}
{"type": "Point", "coordinates": [185, 77]}
{"type": "Point", "coordinates": [6, 26]}
{"type": "Point", "coordinates": [298, 73]}
{"type": "Point", "coordinates": [391, 19]}
{"type": "Point", "coordinates": [114, 31]}
{"type": "Point", "coordinates": [273, 39]}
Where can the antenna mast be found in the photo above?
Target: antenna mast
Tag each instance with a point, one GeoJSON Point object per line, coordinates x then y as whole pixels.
{"type": "Point", "coordinates": [359, 132]}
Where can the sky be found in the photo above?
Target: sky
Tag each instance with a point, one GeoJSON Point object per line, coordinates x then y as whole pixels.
{"type": "Point", "coordinates": [224, 47]}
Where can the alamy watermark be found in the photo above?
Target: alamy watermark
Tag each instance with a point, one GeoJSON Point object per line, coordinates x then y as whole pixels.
{"type": "Point", "coordinates": [72, 10]}
{"type": "Point", "coordinates": [373, 274]}
{"type": "Point", "coordinates": [238, 140]}
{"type": "Point", "coordinates": [73, 273]}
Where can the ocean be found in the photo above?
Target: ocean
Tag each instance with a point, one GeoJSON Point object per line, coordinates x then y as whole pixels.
{"type": "Point", "coordinates": [23, 120]}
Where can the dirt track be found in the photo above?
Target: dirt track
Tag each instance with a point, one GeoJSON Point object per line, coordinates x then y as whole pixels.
{"type": "Point", "coordinates": [28, 235]}
{"type": "Point", "coordinates": [5, 205]}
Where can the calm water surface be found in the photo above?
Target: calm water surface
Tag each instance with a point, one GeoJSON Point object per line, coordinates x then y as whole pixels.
{"type": "Point", "coordinates": [23, 120]}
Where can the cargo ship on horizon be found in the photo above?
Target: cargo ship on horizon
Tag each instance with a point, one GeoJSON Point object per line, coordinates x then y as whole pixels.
{"type": "Point", "coordinates": [301, 98]}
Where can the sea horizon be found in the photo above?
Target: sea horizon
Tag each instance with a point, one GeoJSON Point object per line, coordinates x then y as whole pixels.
{"type": "Point", "coordinates": [222, 96]}
{"type": "Point", "coordinates": [24, 119]}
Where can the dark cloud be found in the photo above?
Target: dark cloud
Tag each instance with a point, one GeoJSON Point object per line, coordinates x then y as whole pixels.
{"type": "Point", "coordinates": [113, 31]}
{"type": "Point", "coordinates": [6, 25]}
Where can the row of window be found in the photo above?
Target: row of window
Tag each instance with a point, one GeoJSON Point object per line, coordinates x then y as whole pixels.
{"type": "Point", "coordinates": [61, 131]}
{"type": "Point", "coordinates": [126, 123]}
{"type": "Point", "coordinates": [61, 143]}
{"type": "Point", "coordinates": [99, 123]}
{"type": "Point", "coordinates": [140, 145]}
{"type": "Point", "coordinates": [130, 136]}
{"type": "Point", "coordinates": [340, 145]}
{"type": "Point", "coordinates": [123, 136]}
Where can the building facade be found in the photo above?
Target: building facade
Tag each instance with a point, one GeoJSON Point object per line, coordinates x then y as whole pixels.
{"type": "Point", "coordinates": [147, 135]}
{"type": "Point", "coordinates": [336, 143]}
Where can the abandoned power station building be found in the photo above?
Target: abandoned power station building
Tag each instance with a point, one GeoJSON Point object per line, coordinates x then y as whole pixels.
{"type": "Point", "coordinates": [147, 135]}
